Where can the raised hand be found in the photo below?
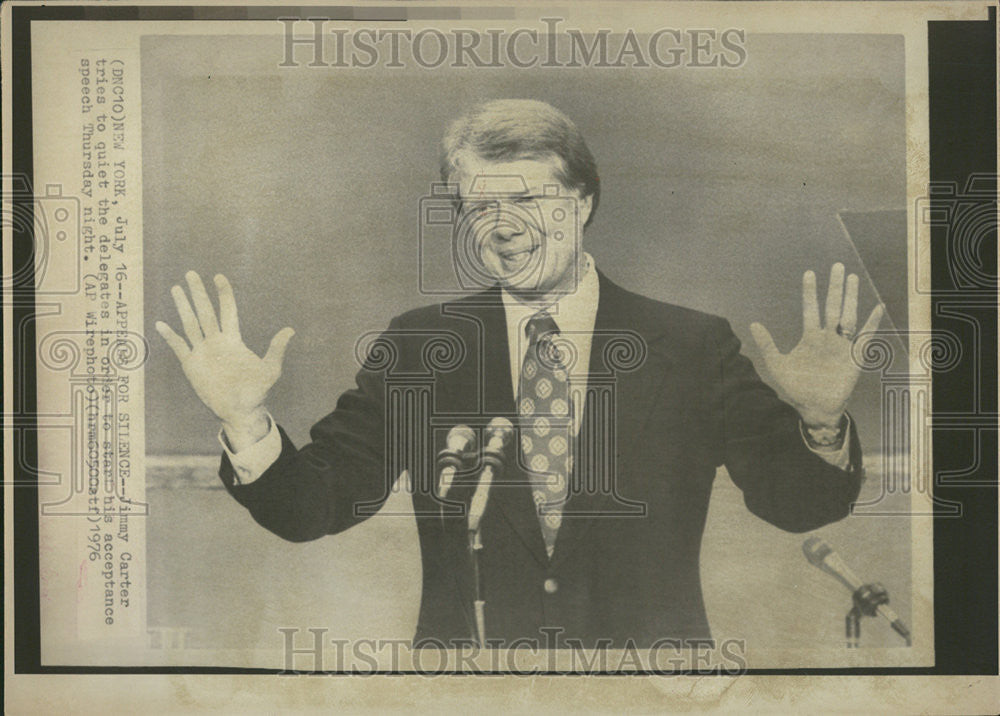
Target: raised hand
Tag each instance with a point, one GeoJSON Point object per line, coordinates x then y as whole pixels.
{"type": "Point", "coordinates": [228, 377]}
{"type": "Point", "coordinates": [819, 374]}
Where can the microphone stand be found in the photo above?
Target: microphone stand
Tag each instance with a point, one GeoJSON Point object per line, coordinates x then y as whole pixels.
{"type": "Point", "coordinates": [493, 464]}
{"type": "Point", "coordinates": [479, 604]}
{"type": "Point", "coordinates": [867, 600]}
{"type": "Point", "coordinates": [459, 444]}
{"type": "Point", "coordinates": [498, 435]}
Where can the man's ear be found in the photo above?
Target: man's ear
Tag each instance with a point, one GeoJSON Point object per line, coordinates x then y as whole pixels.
{"type": "Point", "coordinates": [585, 205]}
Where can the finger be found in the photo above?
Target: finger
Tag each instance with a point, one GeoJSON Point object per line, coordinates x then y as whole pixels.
{"type": "Point", "coordinates": [228, 318]}
{"type": "Point", "coordinates": [276, 351]}
{"type": "Point", "coordinates": [191, 328]}
{"type": "Point", "coordinates": [176, 343]}
{"type": "Point", "coordinates": [849, 316]}
{"type": "Point", "coordinates": [762, 337]}
{"type": "Point", "coordinates": [202, 304]}
{"type": "Point", "coordinates": [834, 296]}
{"type": "Point", "coordinates": [810, 308]}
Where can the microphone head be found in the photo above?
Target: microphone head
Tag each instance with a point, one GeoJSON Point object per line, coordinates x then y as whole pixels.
{"type": "Point", "coordinates": [500, 429]}
{"type": "Point", "coordinates": [461, 438]}
{"type": "Point", "coordinates": [821, 555]}
{"type": "Point", "coordinates": [816, 551]}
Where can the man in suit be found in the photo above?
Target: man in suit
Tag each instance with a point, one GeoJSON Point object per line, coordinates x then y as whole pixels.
{"type": "Point", "coordinates": [623, 408]}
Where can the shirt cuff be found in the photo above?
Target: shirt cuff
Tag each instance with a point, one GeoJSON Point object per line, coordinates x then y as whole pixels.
{"type": "Point", "coordinates": [839, 457]}
{"type": "Point", "coordinates": [251, 462]}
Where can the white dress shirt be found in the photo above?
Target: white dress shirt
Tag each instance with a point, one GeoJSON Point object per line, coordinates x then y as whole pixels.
{"type": "Point", "coordinates": [574, 313]}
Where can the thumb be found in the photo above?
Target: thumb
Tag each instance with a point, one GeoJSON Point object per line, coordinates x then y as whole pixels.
{"type": "Point", "coordinates": [276, 351]}
{"type": "Point", "coordinates": [762, 337]}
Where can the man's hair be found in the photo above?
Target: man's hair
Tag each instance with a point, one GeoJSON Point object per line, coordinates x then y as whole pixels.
{"type": "Point", "coordinates": [512, 129]}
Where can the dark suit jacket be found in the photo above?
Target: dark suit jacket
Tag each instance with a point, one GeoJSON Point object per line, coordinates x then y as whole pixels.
{"type": "Point", "coordinates": [670, 399]}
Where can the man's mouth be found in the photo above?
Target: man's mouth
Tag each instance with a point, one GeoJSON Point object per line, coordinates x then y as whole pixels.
{"type": "Point", "coordinates": [518, 254]}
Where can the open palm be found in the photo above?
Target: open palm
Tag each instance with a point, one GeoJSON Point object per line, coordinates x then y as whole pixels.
{"type": "Point", "coordinates": [228, 377]}
{"type": "Point", "coordinates": [819, 374]}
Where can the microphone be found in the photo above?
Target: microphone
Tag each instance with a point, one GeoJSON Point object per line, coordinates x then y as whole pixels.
{"type": "Point", "coordinates": [498, 434]}
{"type": "Point", "coordinates": [460, 441]}
{"type": "Point", "coordinates": [821, 555]}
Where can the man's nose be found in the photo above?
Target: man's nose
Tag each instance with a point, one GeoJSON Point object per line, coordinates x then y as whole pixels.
{"type": "Point", "coordinates": [504, 234]}
{"type": "Point", "coordinates": [507, 229]}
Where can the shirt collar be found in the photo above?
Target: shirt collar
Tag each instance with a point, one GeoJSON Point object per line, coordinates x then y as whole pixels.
{"type": "Point", "coordinates": [573, 313]}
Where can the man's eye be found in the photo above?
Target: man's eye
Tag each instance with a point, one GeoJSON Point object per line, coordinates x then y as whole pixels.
{"type": "Point", "coordinates": [524, 200]}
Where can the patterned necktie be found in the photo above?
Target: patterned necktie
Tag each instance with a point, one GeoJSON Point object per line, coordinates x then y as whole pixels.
{"type": "Point", "coordinates": [545, 410]}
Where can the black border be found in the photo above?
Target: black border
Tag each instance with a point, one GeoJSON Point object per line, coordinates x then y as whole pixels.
{"type": "Point", "coordinates": [963, 143]}
{"type": "Point", "coordinates": [963, 122]}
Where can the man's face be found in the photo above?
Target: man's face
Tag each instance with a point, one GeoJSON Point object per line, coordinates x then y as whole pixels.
{"type": "Point", "coordinates": [524, 227]}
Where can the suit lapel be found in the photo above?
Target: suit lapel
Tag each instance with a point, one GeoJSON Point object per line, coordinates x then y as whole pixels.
{"type": "Point", "coordinates": [628, 366]}
{"type": "Point", "coordinates": [476, 387]}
